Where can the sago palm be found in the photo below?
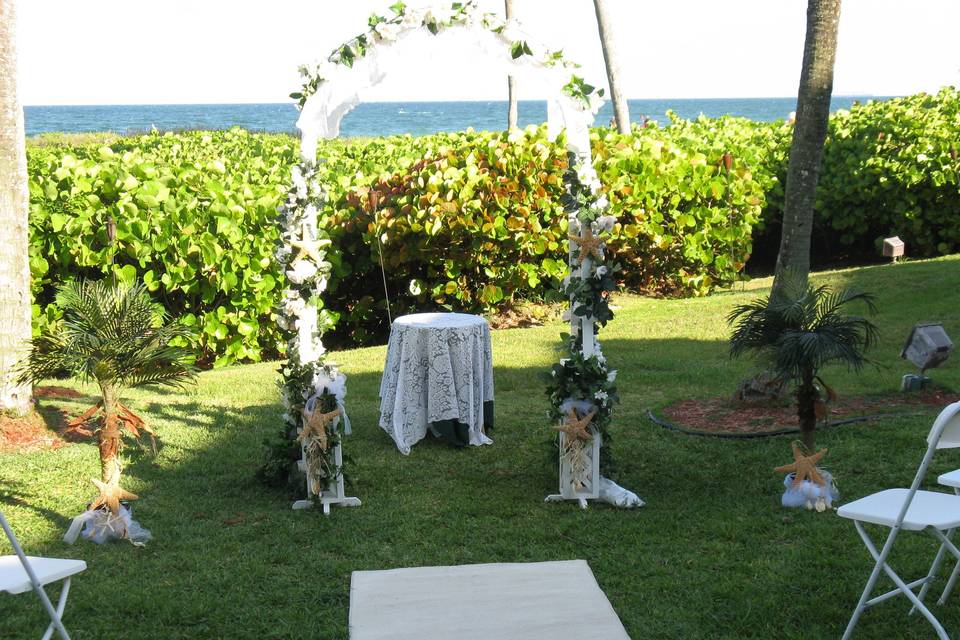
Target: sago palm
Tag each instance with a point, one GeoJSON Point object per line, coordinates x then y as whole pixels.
{"type": "Point", "coordinates": [800, 330]}
{"type": "Point", "coordinates": [116, 336]}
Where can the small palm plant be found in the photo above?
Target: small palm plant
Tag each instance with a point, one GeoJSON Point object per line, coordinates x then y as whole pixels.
{"type": "Point", "coordinates": [801, 329]}
{"type": "Point", "coordinates": [116, 336]}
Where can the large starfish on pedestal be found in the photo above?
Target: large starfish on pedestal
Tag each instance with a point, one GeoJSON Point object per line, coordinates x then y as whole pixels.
{"type": "Point", "coordinates": [577, 428]}
{"type": "Point", "coordinates": [804, 467]}
{"type": "Point", "coordinates": [110, 496]}
{"type": "Point", "coordinates": [588, 243]}
{"type": "Point", "coordinates": [315, 426]}
{"type": "Point", "coordinates": [308, 248]}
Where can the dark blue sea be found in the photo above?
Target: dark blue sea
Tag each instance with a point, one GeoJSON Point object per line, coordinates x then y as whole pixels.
{"type": "Point", "coordinates": [379, 118]}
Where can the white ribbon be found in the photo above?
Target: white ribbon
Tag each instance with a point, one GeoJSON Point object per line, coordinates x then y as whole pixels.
{"type": "Point", "coordinates": [346, 421]}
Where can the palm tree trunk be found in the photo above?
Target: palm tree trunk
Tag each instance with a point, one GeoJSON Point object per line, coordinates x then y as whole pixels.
{"type": "Point", "coordinates": [809, 133]}
{"type": "Point", "coordinates": [108, 438]}
{"type": "Point", "coordinates": [512, 110]}
{"type": "Point", "coordinates": [14, 209]}
{"type": "Point", "coordinates": [807, 411]}
{"type": "Point", "coordinates": [607, 43]}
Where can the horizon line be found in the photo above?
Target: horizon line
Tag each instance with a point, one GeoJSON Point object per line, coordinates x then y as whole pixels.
{"type": "Point", "coordinates": [210, 104]}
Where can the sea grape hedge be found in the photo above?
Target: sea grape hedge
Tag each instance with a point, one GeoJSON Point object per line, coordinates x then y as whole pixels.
{"type": "Point", "coordinates": [477, 221]}
{"type": "Point", "coordinates": [686, 204]}
{"type": "Point", "coordinates": [195, 216]}
{"type": "Point", "coordinates": [468, 221]}
{"type": "Point", "coordinates": [892, 168]}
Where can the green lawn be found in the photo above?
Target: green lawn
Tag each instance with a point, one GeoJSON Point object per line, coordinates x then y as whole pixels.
{"type": "Point", "coordinates": [712, 555]}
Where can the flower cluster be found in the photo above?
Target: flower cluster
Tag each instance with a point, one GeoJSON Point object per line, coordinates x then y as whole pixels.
{"type": "Point", "coordinates": [590, 296]}
{"type": "Point", "coordinates": [384, 30]}
{"type": "Point", "coordinates": [589, 293]}
{"type": "Point", "coordinates": [580, 378]}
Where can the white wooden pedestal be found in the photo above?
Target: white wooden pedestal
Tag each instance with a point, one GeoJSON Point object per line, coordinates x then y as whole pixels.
{"type": "Point", "coordinates": [334, 495]}
{"type": "Point", "coordinates": [591, 482]}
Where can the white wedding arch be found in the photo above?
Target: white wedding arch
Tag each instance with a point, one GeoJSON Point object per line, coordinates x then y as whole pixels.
{"type": "Point", "coordinates": [313, 387]}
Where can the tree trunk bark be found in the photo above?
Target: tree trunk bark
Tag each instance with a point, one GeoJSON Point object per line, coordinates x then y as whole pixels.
{"type": "Point", "coordinates": [108, 437]}
{"type": "Point", "coordinates": [807, 412]}
{"type": "Point", "coordinates": [15, 299]}
{"type": "Point", "coordinates": [512, 109]}
{"type": "Point", "coordinates": [621, 111]}
{"type": "Point", "coordinates": [806, 148]}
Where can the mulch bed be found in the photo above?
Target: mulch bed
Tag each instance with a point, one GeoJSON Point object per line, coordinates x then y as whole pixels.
{"type": "Point", "coordinates": [27, 433]}
{"type": "Point", "coordinates": [52, 391]}
{"type": "Point", "coordinates": [45, 428]}
{"type": "Point", "coordinates": [726, 416]}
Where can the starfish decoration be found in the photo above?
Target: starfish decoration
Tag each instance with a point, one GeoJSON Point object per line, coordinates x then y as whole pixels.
{"type": "Point", "coordinates": [804, 467]}
{"type": "Point", "coordinates": [109, 523]}
{"type": "Point", "coordinates": [315, 426]}
{"type": "Point", "coordinates": [577, 428]}
{"type": "Point", "coordinates": [588, 243]}
{"type": "Point", "coordinates": [307, 248]}
{"type": "Point", "coordinates": [110, 496]}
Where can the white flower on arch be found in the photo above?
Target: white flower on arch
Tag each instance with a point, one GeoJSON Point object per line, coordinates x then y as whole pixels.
{"type": "Point", "coordinates": [387, 31]}
{"type": "Point", "coordinates": [301, 271]}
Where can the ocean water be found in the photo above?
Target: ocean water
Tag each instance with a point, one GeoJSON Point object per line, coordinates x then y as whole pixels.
{"type": "Point", "coordinates": [379, 118]}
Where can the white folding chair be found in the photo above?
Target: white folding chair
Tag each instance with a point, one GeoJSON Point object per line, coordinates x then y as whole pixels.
{"type": "Point", "coordinates": [951, 480]}
{"type": "Point", "coordinates": [936, 513]}
{"type": "Point", "coordinates": [21, 573]}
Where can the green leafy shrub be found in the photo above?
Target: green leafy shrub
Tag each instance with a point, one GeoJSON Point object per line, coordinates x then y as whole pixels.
{"type": "Point", "coordinates": [891, 168]}
{"type": "Point", "coordinates": [686, 204]}
{"type": "Point", "coordinates": [467, 221]}
{"type": "Point", "coordinates": [474, 221]}
{"type": "Point", "coordinates": [196, 222]}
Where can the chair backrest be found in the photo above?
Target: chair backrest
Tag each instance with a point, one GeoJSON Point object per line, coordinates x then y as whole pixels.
{"type": "Point", "coordinates": [945, 433]}
{"type": "Point", "coordinates": [19, 551]}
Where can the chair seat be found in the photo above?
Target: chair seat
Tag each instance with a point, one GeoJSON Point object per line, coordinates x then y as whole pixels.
{"type": "Point", "coordinates": [951, 479]}
{"type": "Point", "coordinates": [928, 509]}
{"type": "Point", "coordinates": [14, 579]}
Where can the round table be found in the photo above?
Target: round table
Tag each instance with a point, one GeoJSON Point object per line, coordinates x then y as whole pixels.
{"type": "Point", "coordinates": [438, 377]}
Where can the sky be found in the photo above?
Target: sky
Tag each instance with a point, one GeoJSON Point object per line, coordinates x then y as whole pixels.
{"type": "Point", "coordinates": [227, 51]}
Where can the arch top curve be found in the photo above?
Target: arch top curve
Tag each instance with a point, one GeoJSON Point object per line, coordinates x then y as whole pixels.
{"type": "Point", "coordinates": [333, 86]}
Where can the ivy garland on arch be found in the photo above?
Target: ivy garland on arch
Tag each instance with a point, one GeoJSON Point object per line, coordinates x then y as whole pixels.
{"type": "Point", "coordinates": [389, 29]}
{"type": "Point", "coordinates": [311, 383]}
{"type": "Point", "coordinates": [582, 377]}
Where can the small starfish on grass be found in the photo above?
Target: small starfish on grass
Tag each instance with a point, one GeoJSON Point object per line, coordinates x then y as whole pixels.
{"type": "Point", "coordinates": [110, 496]}
{"type": "Point", "coordinates": [577, 428]}
{"type": "Point", "coordinates": [804, 467]}
{"type": "Point", "coordinates": [588, 243]}
{"type": "Point", "coordinates": [315, 426]}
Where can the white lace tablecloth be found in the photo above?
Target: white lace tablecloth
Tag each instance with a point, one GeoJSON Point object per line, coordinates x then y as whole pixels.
{"type": "Point", "coordinates": [439, 371]}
